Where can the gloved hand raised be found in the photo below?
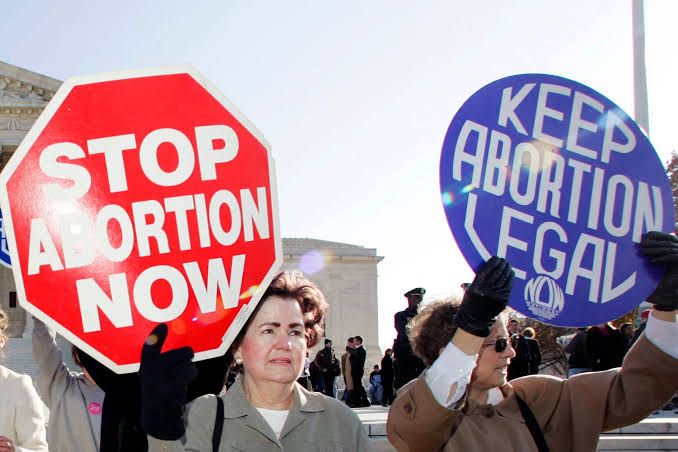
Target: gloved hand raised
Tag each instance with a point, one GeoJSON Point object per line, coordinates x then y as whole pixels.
{"type": "Point", "coordinates": [164, 379]}
{"type": "Point", "coordinates": [662, 248]}
{"type": "Point", "coordinates": [485, 298]}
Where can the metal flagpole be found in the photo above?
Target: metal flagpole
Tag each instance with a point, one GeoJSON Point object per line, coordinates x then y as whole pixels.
{"type": "Point", "coordinates": [639, 71]}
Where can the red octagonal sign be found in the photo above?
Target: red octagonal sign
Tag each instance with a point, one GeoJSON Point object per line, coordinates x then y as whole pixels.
{"type": "Point", "coordinates": [137, 198]}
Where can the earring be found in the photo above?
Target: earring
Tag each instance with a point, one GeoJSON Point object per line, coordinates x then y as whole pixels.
{"type": "Point", "coordinates": [238, 360]}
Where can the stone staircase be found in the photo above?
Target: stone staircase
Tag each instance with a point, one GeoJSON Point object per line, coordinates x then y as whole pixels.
{"type": "Point", "coordinates": [659, 432]}
{"type": "Point", "coordinates": [19, 354]}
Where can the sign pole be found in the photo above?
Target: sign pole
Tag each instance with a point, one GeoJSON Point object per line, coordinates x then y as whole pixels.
{"type": "Point", "coordinates": [639, 69]}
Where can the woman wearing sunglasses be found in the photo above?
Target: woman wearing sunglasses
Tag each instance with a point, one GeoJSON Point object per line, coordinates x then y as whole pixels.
{"type": "Point", "coordinates": [463, 401]}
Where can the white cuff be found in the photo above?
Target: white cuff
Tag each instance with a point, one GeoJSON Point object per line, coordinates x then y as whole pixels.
{"type": "Point", "coordinates": [449, 375]}
{"type": "Point", "coordinates": [663, 334]}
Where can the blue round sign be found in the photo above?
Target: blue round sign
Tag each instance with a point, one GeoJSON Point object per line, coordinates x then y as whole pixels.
{"type": "Point", "coordinates": [4, 250]}
{"type": "Point", "coordinates": [556, 178]}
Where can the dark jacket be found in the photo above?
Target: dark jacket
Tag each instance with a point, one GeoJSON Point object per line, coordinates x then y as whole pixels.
{"type": "Point", "coordinates": [606, 346]}
{"type": "Point", "coordinates": [326, 360]}
{"type": "Point", "coordinates": [579, 352]}
{"type": "Point", "coordinates": [407, 365]}
{"type": "Point", "coordinates": [386, 368]}
{"type": "Point", "coordinates": [357, 358]}
{"type": "Point", "coordinates": [534, 351]}
{"type": "Point", "coordinates": [520, 364]}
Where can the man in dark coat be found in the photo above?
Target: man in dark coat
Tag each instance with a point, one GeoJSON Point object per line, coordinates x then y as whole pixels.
{"type": "Point", "coordinates": [606, 346]}
{"type": "Point", "coordinates": [329, 366]}
{"type": "Point", "coordinates": [357, 358]}
{"type": "Point", "coordinates": [387, 377]}
{"type": "Point", "coordinates": [520, 364]}
{"type": "Point", "coordinates": [407, 366]}
{"type": "Point", "coordinates": [579, 360]}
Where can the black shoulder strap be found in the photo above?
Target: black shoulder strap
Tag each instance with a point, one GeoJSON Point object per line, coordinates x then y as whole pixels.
{"type": "Point", "coordinates": [218, 425]}
{"type": "Point", "coordinates": [532, 425]}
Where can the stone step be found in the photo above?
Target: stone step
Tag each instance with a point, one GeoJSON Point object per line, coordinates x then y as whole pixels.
{"type": "Point", "coordinates": [639, 442]}
{"type": "Point", "coordinates": [659, 432]}
{"type": "Point", "coordinates": [656, 424]}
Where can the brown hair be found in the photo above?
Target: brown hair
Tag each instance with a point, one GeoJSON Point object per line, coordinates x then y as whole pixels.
{"type": "Point", "coordinates": [529, 332]}
{"type": "Point", "coordinates": [309, 297]}
{"type": "Point", "coordinates": [4, 324]}
{"type": "Point", "coordinates": [431, 329]}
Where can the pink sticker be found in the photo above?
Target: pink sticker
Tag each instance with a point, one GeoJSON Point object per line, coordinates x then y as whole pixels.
{"type": "Point", "coordinates": [94, 407]}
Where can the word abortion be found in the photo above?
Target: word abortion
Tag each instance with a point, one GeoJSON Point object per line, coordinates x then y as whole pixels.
{"type": "Point", "coordinates": [115, 231]}
{"type": "Point", "coordinates": [548, 178]}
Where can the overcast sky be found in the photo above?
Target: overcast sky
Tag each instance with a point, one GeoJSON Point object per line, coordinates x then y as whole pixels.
{"type": "Point", "coordinates": [355, 97]}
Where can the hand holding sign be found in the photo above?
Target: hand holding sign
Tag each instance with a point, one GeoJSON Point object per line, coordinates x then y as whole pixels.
{"type": "Point", "coordinates": [164, 381]}
{"type": "Point", "coordinates": [661, 248]}
{"type": "Point", "coordinates": [486, 297]}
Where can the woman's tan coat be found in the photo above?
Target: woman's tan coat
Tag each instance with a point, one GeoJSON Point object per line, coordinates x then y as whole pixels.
{"type": "Point", "coordinates": [346, 371]}
{"type": "Point", "coordinates": [572, 413]}
{"type": "Point", "coordinates": [315, 423]}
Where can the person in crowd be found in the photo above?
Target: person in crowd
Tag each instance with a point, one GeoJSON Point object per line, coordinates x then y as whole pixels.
{"type": "Point", "coordinates": [520, 364]}
{"type": "Point", "coordinates": [265, 409]}
{"type": "Point", "coordinates": [627, 333]}
{"type": "Point", "coordinates": [22, 424]}
{"type": "Point", "coordinates": [643, 323]}
{"type": "Point", "coordinates": [74, 400]}
{"type": "Point", "coordinates": [316, 375]}
{"type": "Point", "coordinates": [357, 358]}
{"type": "Point", "coordinates": [376, 389]}
{"type": "Point", "coordinates": [579, 360]}
{"type": "Point", "coordinates": [346, 370]}
{"type": "Point", "coordinates": [387, 377]}
{"type": "Point", "coordinates": [305, 377]}
{"type": "Point", "coordinates": [606, 346]}
{"type": "Point", "coordinates": [406, 365]}
{"type": "Point", "coordinates": [329, 366]}
{"type": "Point", "coordinates": [463, 400]}
{"type": "Point", "coordinates": [533, 348]}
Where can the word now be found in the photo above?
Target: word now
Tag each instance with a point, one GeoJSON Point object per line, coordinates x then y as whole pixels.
{"type": "Point", "coordinates": [114, 147]}
{"type": "Point", "coordinates": [117, 307]}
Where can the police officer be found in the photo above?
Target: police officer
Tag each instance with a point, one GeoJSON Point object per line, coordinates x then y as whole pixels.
{"type": "Point", "coordinates": [407, 367]}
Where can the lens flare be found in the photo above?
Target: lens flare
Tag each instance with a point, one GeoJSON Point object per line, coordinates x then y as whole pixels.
{"type": "Point", "coordinates": [467, 189]}
{"type": "Point", "coordinates": [448, 198]}
{"type": "Point", "coordinates": [178, 326]}
{"type": "Point", "coordinates": [313, 261]}
{"type": "Point", "coordinates": [249, 292]}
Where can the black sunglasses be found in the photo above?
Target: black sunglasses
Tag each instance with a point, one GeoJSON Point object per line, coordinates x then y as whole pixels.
{"type": "Point", "coordinates": [501, 345]}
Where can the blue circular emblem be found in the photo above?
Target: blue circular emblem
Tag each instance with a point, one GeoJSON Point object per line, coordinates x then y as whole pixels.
{"type": "Point", "coordinates": [4, 250]}
{"type": "Point", "coordinates": [556, 178]}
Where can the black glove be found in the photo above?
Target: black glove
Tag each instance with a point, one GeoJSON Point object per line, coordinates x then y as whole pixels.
{"type": "Point", "coordinates": [661, 248]}
{"type": "Point", "coordinates": [164, 379]}
{"type": "Point", "coordinates": [485, 298]}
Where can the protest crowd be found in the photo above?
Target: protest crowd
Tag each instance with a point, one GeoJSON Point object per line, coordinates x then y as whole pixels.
{"type": "Point", "coordinates": [452, 361]}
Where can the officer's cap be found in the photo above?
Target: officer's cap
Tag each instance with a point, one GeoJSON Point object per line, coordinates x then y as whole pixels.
{"type": "Point", "coordinates": [416, 291]}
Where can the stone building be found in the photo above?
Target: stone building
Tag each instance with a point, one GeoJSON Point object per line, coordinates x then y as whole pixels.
{"type": "Point", "coordinates": [347, 274]}
{"type": "Point", "coordinates": [23, 96]}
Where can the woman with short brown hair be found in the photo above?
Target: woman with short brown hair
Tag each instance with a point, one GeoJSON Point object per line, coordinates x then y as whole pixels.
{"type": "Point", "coordinates": [463, 400]}
{"type": "Point", "coordinates": [265, 409]}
